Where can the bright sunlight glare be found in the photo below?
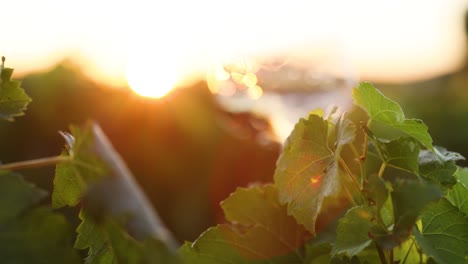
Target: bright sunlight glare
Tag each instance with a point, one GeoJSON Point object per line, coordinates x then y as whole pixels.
{"type": "Point", "coordinates": [152, 73]}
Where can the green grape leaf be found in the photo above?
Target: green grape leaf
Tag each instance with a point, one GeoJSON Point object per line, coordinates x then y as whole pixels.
{"type": "Point", "coordinates": [458, 195]}
{"type": "Point", "coordinates": [16, 195]}
{"type": "Point", "coordinates": [91, 237]}
{"type": "Point", "coordinates": [107, 243]}
{"type": "Point", "coordinates": [30, 233]}
{"type": "Point", "coordinates": [444, 233]}
{"type": "Point", "coordinates": [260, 232]}
{"type": "Point", "coordinates": [82, 169]}
{"type": "Point", "coordinates": [307, 171]}
{"type": "Point", "coordinates": [352, 232]}
{"type": "Point", "coordinates": [215, 246]}
{"type": "Point", "coordinates": [401, 153]}
{"type": "Point", "coordinates": [382, 109]}
{"type": "Point", "coordinates": [38, 235]}
{"type": "Point", "coordinates": [13, 99]}
{"type": "Point", "coordinates": [409, 198]}
{"type": "Point", "coordinates": [440, 168]}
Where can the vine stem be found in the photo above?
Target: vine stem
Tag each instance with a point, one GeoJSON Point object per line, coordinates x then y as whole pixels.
{"type": "Point", "coordinates": [382, 169]}
{"type": "Point", "coordinates": [35, 163]}
{"type": "Point", "coordinates": [383, 260]}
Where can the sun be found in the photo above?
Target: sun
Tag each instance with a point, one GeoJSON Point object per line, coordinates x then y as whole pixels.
{"type": "Point", "coordinates": [152, 74]}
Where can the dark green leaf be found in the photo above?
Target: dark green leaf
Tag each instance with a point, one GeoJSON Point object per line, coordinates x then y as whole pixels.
{"type": "Point", "coordinates": [84, 168]}
{"type": "Point", "coordinates": [401, 153]}
{"type": "Point", "coordinates": [444, 234]}
{"type": "Point", "coordinates": [384, 110]}
{"type": "Point", "coordinates": [37, 236]}
{"type": "Point", "coordinates": [28, 234]}
{"type": "Point", "coordinates": [16, 195]}
{"type": "Point", "coordinates": [438, 169]}
{"type": "Point", "coordinates": [409, 198]}
{"type": "Point", "coordinates": [13, 99]}
{"type": "Point", "coordinates": [353, 231]}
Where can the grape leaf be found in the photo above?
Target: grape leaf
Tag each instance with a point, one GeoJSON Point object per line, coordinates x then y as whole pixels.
{"type": "Point", "coordinates": [307, 170]}
{"type": "Point", "coordinates": [352, 232]}
{"type": "Point", "coordinates": [82, 169]}
{"type": "Point", "coordinates": [439, 168]}
{"type": "Point", "coordinates": [91, 237]}
{"type": "Point", "coordinates": [16, 195]}
{"type": "Point", "coordinates": [409, 198]}
{"type": "Point", "coordinates": [30, 233]}
{"type": "Point", "coordinates": [384, 110]}
{"type": "Point", "coordinates": [444, 233]}
{"type": "Point", "coordinates": [13, 99]}
{"type": "Point", "coordinates": [260, 232]}
{"type": "Point", "coordinates": [401, 153]}
{"type": "Point", "coordinates": [108, 242]}
{"type": "Point", "coordinates": [458, 195]}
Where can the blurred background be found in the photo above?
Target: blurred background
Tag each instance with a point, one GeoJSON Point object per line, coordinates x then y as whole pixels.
{"type": "Point", "coordinates": [198, 96]}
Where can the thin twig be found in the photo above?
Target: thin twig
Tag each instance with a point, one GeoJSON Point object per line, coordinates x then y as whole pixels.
{"type": "Point", "coordinates": [348, 171]}
{"type": "Point", "coordinates": [382, 169]}
{"type": "Point", "coordinates": [35, 163]}
{"type": "Point", "coordinates": [383, 260]}
{"type": "Point", "coordinates": [409, 250]}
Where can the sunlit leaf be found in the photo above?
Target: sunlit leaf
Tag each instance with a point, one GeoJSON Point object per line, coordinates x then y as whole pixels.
{"type": "Point", "coordinates": [458, 195]}
{"type": "Point", "coordinates": [302, 168]}
{"type": "Point", "coordinates": [353, 231]}
{"type": "Point", "coordinates": [82, 169]}
{"type": "Point", "coordinates": [91, 237]}
{"type": "Point", "coordinates": [260, 232]}
{"type": "Point", "coordinates": [13, 99]}
{"type": "Point", "coordinates": [382, 109]}
{"type": "Point", "coordinates": [444, 233]}
{"type": "Point", "coordinates": [307, 170]}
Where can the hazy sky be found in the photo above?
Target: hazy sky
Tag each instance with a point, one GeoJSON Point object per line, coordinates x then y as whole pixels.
{"type": "Point", "coordinates": [373, 39]}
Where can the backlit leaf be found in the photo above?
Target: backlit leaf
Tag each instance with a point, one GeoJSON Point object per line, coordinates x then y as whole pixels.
{"type": "Point", "coordinates": [302, 168]}
{"type": "Point", "coordinates": [382, 109]}
{"type": "Point", "coordinates": [458, 195]}
{"type": "Point", "coordinates": [73, 176]}
{"type": "Point", "coordinates": [444, 233]}
{"type": "Point", "coordinates": [13, 99]}
{"type": "Point", "coordinates": [260, 232]}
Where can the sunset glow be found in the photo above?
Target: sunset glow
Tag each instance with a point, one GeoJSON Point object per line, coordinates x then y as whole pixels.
{"type": "Point", "coordinates": [426, 39]}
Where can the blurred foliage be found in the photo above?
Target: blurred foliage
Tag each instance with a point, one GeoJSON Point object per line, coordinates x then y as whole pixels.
{"type": "Point", "coordinates": [186, 152]}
